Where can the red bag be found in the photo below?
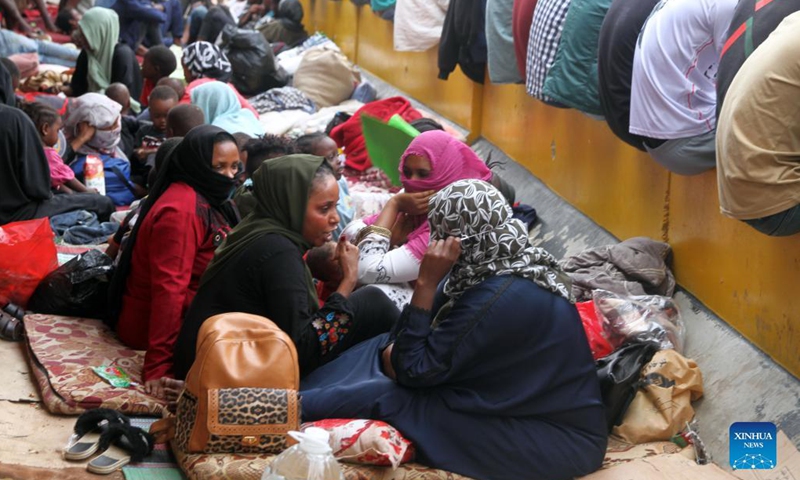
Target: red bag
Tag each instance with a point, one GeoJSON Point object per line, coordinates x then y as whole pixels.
{"type": "Point", "coordinates": [27, 255]}
{"type": "Point", "coordinates": [594, 330]}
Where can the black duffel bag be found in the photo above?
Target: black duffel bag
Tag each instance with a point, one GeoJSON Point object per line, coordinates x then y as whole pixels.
{"type": "Point", "coordinates": [252, 61]}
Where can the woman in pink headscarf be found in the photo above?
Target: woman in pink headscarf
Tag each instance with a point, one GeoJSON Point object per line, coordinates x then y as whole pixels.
{"type": "Point", "coordinates": [393, 242]}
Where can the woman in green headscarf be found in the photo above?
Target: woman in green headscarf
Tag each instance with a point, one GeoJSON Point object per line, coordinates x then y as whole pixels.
{"type": "Point", "coordinates": [103, 60]}
{"type": "Point", "coordinates": [259, 269]}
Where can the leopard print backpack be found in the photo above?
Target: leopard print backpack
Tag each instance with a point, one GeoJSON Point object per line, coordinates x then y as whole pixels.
{"type": "Point", "coordinates": [241, 392]}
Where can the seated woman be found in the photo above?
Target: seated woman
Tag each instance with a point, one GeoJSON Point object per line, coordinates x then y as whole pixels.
{"type": "Point", "coordinates": [103, 60]}
{"type": "Point", "coordinates": [260, 269]}
{"type": "Point", "coordinates": [432, 161]}
{"type": "Point", "coordinates": [221, 108]}
{"type": "Point", "coordinates": [24, 172]}
{"type": "Point", "coordinates": [184, 219]}
{"type": "Point", "coordinates": [204, 62]}
{"type": "Point", "coordinates": [287, 27]}
{"type": "Point", "coordinates": [94, 127]}
{"type": "Point", "coordinates": [492, 377]}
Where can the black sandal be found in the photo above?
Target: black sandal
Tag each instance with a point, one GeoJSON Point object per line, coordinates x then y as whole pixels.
{"type": "Point", "coordinates": [121, 444]}
{"type": "Point", "coordinates": [88, 432]}
{"type": "Point", "coordinates": [14, 310]}
{"type": "Point", "coordinates": [11, 328]}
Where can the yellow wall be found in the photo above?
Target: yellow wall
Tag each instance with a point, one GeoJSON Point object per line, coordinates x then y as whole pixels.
{"type": "Point", "coordinates": [750, 280]}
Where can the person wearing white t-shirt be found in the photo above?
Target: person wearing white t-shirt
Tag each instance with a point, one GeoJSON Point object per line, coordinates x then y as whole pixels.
{"type": "Point", "coordinates": [673, 89]}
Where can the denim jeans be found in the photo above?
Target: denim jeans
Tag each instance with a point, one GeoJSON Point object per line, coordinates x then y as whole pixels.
{"type": "Point", "coordinates": [49, 53]}
{"type": "Point", "coordinates": [781, 224]}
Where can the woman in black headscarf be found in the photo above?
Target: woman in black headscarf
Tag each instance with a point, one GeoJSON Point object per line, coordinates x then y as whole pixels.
{"type": "Point", "coordinates": [184, 219]}
{"type": "Point", "coordinates": [287, 26]}
{"type": "Point", "coordinates": [24, 173]}
{"type": "Point", "coordinates": [259, 269]}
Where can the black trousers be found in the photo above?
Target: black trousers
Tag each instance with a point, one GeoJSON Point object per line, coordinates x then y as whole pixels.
{"type": "Point", "coordinates": [63, 203]}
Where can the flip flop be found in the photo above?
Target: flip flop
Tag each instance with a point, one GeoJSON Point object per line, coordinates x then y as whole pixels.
{"type": "Point", "coordinates": [14, 310]}
{"type": "Point", "coordinates": [88, 430]}
{"type": "Point", "coordinates": [130, 444]}
{"type": "Point", "coordinates": [10, 327]}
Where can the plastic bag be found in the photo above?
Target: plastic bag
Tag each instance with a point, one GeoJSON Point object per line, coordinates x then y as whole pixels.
{"type": "Point", "coordinates": [619, 375]}
{"type": "Point", "coordinates": [27, 255]}
{"type": "Point", "coordinates": [78, 288]}
{"type": "Point", "coordinates": [252, 61]}
{"type": "Point", "coordinates": [641, 318]}
{"type": "Point", "coordinates": [595, 330]}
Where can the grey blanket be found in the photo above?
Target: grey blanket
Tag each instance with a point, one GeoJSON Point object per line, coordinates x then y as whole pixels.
{"type": "Point", "coordinates": [637, 266]}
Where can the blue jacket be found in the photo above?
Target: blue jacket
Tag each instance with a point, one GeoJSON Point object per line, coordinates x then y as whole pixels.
{"type": "Point", "coordinates": [131, 15]}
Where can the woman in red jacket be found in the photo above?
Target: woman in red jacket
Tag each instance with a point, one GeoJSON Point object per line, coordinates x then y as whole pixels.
{"type": "Point", "coordinates": [186, 216]}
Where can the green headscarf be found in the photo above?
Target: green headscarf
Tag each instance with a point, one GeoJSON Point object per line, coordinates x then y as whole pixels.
{"type": "Point", "coordinates": [100, 26]}
{"type": "Point", "coordinates": [281, 187]}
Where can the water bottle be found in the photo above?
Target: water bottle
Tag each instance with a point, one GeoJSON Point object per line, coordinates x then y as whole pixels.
{"type": "Point", "coordinates": [311, 459]}
{"type": "Point", "coordinates": [93, 174]}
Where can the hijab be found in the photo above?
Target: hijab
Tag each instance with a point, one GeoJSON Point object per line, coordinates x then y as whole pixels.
{"type": "Point", "coordinates": [100, 112]}
{"type": "Point", "coordinates": [189, 162]}
{"type": "Point", "coordinates": [290, 14]}
{"type": "Point", "coordinates": [493, 243]}
{"type": "Point", "coordinates": [281, 187]}
{"type": "Point", "coordinates": [100, 26]}
{"type": "Point", "coordinates": [206, 60]}
{"type": "Point", "coordinates": [451, 160]}
{"type": "Point", "coordinates": [222, 108]}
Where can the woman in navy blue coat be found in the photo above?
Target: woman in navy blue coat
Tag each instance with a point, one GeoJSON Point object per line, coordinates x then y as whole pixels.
{"type": "Point", "coordinates": [492, 376]}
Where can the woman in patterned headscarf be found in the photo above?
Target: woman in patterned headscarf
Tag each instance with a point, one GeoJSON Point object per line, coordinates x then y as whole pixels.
{"type": "Point", "coordinates": [490, 377]}
{"type": "Point", "coordinates": [204, 62]}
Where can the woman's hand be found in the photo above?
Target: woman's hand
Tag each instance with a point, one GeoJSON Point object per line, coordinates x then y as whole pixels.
{"type": "Point", "coordinates": [154, 388]}
{"type": "Point", "coordinates": [347, 256]}
{"type": "Point", "coordinates": [439, 259]}
{"type": "Point", "coordinates": [386, 360]}
{"type": "Point", "coordinates": [413, 203]}
{"type": "Point", "coordinates": [437, 262]}
{"type": "Point", "coordinates": [84, 133]}
{"type": "Point", "coordinates": [402, 227]}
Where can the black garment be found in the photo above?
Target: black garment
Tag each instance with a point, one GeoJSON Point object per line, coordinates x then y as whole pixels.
{"type": "Point", "coordinates": [758, 19]}
{"type": "Point", "coordinates": [213, 23]}
{"type": "Point", "coordinates": [101, 205]}
{"type": "Point", "coordinates": [24, 172]}
{"type": "Point", "coordinates": [7, 96]}
{"type": "Point", "coordinates": [615, 49]}
{"type": "Point", "coordinates": [127, 142]}
{"type": "Point", "coordinates": [463, 40]}
{"type": "Point", "coordinates": [269, 279]}
{"type": "Point", "coordinates": [124, 69]}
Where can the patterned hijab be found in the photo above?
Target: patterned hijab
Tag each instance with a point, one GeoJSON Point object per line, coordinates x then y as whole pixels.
{"type": "Point", "coordinates": [206, 60]}
{"type": "Point", "coordinates": [492, 242]}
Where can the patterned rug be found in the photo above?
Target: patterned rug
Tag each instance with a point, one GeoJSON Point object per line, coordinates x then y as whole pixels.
{"type": "Point", "coordinates": [159, 465]}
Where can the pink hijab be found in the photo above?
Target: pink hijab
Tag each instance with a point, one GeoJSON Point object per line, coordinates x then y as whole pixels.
{"type": "Point", "coordinates": [451, 161]}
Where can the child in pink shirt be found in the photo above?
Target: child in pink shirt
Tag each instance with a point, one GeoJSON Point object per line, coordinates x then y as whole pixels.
{"type": "Point", "coordinates": [48, 122]}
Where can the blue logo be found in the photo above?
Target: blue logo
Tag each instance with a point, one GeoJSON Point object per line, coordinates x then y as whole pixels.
{"type": "Point", "coordinates": [753, 446]}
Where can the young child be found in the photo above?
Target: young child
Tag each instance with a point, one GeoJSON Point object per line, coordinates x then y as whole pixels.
{"type": "Point", "coordinates": [257, 151]}
{"type": "Point", "coordinates": [159, 62]}
{"type": "Point", "coordinates": [322, 145]}
{"type": "Point", "coordinates": [150, 136]}
{"type": "Point", "coordinates": [48, 123]}
{"type": "Point", "coordinates": [325, 269]}
{"type": "Point", "coordinates": [182, 118]}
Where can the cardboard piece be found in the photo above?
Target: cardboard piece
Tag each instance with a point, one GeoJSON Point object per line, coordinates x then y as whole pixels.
{"type": "Point", "coordinates": [788, 467]}
{"type": "Point", "coordinates": [662, 467]}
{"type": "Point", "coordinates": [386, 143]}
